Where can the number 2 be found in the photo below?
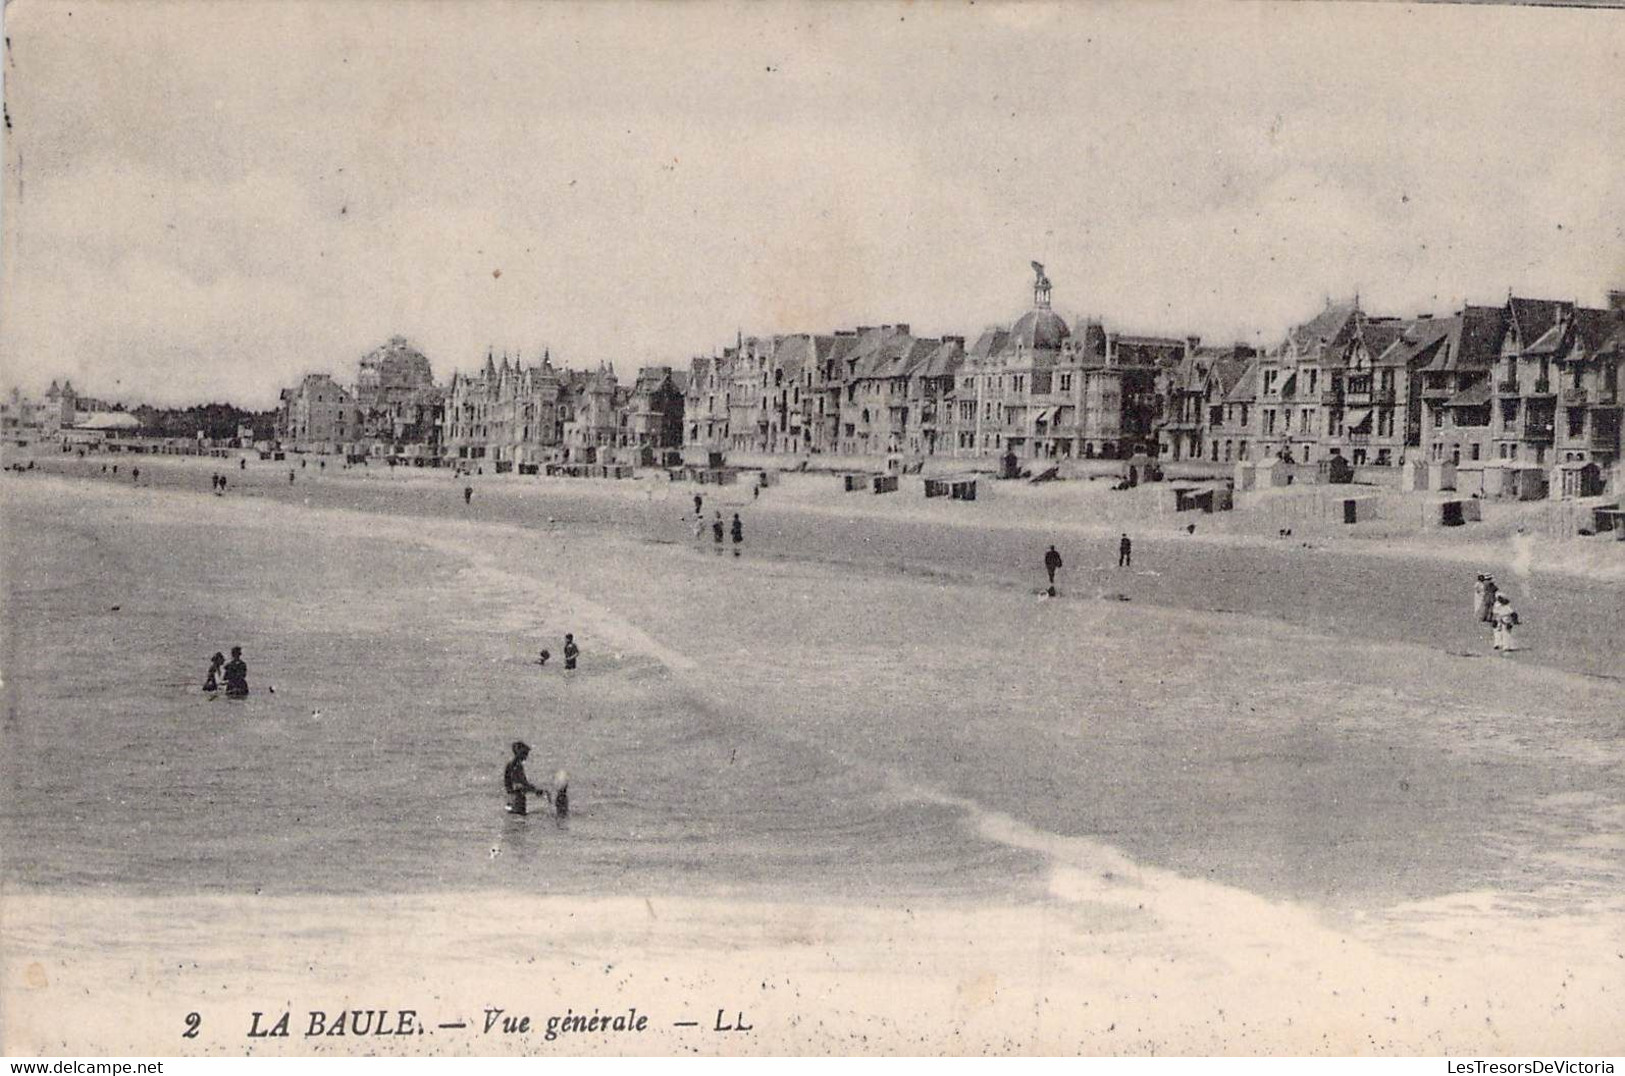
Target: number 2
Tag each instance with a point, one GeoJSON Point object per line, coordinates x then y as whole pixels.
{"type": "Point", "coordinates": [193, 1022]}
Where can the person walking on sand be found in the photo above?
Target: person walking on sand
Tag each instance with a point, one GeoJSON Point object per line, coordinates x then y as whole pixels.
{"type": "Point", "coordinates": [290, 476]}
{"type": "Point", "coordinates": [211, 682]}
{"type": "Point", "coordinates": [699, 526]}
{"type": "Point", "coordinates": [135, 474]}
{"type": "Point", "coordinates": [514, 781]}
{"type": "Point", "coordinates": [1125, 552]}
{"type": "Point", "coordinates": [699, 503]}
{"type": "Point", "coordinates": [1052, 564]}
{"type": "Point", "coordinates": [738, 532]}
{"type": "Point", "coordinates": [236, 673]}
{"type": "Point", "coordinates": [1491, 591]}
{"type": "Point", "coordinates": [468, 494]}
{"type": "Point", "coordinates": [716, 532]}
{"type": "Point", "coordinates": [1506, 619]}
{"type": "Point", "coordinates": [571, 651]}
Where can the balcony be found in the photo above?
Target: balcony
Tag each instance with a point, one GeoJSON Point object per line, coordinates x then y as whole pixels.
{"type": "Point", "coordinates": [1509, 387]}
{"type": "Point", "coordinates": [1383, 396]}
{"type": "Point", "coordinates": [1538, 432]}
{"type": "Point", "coordinates": [1543, 387]}
{"type": "Point", "coordinates": [1436, 392]}
{"type": "Point", "coordinates": [1332, 398]}
{"type": "Point", "coordinates": [1574, 396]}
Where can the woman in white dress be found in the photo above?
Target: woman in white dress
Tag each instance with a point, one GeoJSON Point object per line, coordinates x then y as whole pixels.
{"type": "Point", "coordinates": [1506, 619]}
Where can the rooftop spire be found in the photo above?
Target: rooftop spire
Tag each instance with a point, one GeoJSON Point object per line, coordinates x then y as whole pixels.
{"type": "Point", "coordinates": [1041, 287]}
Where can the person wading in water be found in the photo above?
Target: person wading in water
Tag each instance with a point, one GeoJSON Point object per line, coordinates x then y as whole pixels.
{"type": "Point", "coordinates": [514, 781]}
{"type": "Point", "coordinates": [236, 673]}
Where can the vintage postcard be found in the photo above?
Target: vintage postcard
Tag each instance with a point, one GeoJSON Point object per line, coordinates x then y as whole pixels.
{"type": "Point", "coordinates": [796, 528]}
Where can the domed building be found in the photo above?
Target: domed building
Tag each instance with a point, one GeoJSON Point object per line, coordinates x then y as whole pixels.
{"type": "Point", "coordinates": [1011, 374]}
{"type": "Point", "coordinates": [1043, 392]}
{"type": "Point", "coordinates": [1039, 329]}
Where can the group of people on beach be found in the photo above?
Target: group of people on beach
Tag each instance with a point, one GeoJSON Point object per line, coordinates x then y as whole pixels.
{"type": "Point", "coordinates": [1492, 606]}
{"type": "Point", "coordinates": [518, 786]}
{"type": "Point", "coordinates": [719, 529]}
{"type": "Point", "coordinates": [218, 483]}
{"type": "Point", "coordinates": [572, 653]}
{"type": "Point", "coordinates": [232, 674]}
{"type": "Point", "coordinates": [1053, 564]}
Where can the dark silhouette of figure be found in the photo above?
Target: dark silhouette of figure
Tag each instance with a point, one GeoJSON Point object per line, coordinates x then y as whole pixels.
{"type": "Point", "coordinates": [211, 682]}
{"type": "Point", "coordinates": [716, 532]}
{"type": "Point", "coordinates": [236, 674]}
{"type": "Point", "coordinates": [699, 502]}
{"type": "Point", "coordinates": [468, 494]}
{"type": "Point", "coordinates": [514, 781]}
{"type": "Point", "coordinates": [1125, 552]}
{"type": "Point", "coordinates": [571, 651]}
{"type": "Point", "coordinates": [1052, 564]}
{"type": "Point", "coordinates": [738, 532]}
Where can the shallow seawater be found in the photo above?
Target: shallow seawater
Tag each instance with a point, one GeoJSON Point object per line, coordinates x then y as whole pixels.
{"type": "Point", "coordinates": [400, 677]}
{"type": "Point", "coordinates": [767, 726]}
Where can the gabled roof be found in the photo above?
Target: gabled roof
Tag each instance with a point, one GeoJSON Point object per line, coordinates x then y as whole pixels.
{"type": "Point", "coordinates": [1089, 341]}
{"type": "Point", "coordinates": [1224, 374]}
{"type": "Point", "coordinates": [1533, 317]}
{"type": "Point", "coordinates": [992, 341]}
{"type": "Point", "coordinates": [1474, 395]}
{"type": "Point", "coordinates": [1245, 390]}
{"type": "Point", "coordinates": [1596, 330]}
{"type": "Point", "coordinates": [1417, 343]}
{"type": "Point", "coordinates": [1329, 328]}
{"type": "Point", "coordinates": [1475, 342]}
{"type": "Point", "coordinates": [944, 361]}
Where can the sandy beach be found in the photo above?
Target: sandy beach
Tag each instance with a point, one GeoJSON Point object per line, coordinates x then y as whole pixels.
{"type": "Point", "coordinates": [861, 783]}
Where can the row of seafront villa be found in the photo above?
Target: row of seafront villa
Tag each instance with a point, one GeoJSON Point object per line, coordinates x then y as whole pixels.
{"type": "Point", "coordinates": [1526, 393]}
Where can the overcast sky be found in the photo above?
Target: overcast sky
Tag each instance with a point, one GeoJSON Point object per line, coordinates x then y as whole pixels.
{"type": "Point", "coordinates": [207, 200]}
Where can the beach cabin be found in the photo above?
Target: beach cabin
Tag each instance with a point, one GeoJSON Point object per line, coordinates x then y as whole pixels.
{"type": "Point", "coordinates": [1354, 509]}
{"type": "Point", "coordinates": [1451, 512]}
{"type": "Point", "coordinates": [1272, 474]}
{"type": "Point", "coordinates": [1506, 480]}
{"type": "Point", "coordinates": [1336, 470]}
{"type": "Point", "coordinates": [1418, 475]}
{"type": "Point", "coordinates": [1576, 478]}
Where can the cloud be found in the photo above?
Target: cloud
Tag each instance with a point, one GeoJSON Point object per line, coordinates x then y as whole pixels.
{"type": "Point", "coordinates": [208, 200]}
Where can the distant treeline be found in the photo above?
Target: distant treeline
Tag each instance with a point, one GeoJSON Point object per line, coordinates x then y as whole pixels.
{"type": "Point", "coordinates": [217, 421]}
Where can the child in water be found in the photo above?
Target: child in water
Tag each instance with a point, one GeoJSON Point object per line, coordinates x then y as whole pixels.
{"type": "Point", "coordinates": [561, 794]}
{"type": "Point", "coordinates": [211, 682]}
